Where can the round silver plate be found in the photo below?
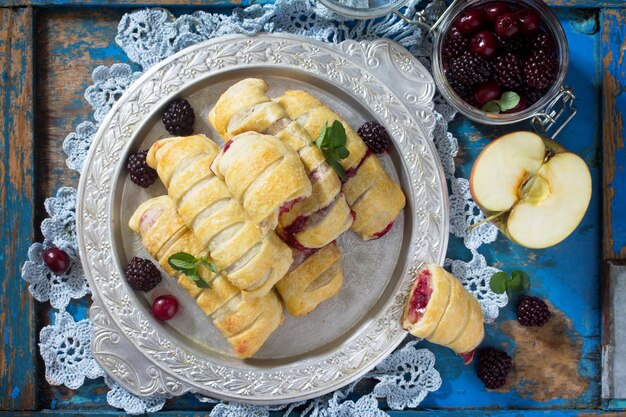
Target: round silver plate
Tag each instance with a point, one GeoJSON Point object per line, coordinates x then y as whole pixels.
{"type": "Point", "coordinates": [345, 336]}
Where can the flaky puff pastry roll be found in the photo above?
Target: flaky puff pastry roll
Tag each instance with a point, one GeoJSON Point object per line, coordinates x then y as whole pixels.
{"type": "Point", "coordinates": [263, 174]}
{"type": "Point", "coordinates": [312, 222]}
{"type": "Point", "coordinates": [314, 277]}
{"type": "Point", "coordinates": [373, 196]}
{"type": "Point", "coordinates": [253, 262]}
{"type": "Point", "coordinates": [442, 311]}
{"type": "Point", "coordinates": [246, 323]}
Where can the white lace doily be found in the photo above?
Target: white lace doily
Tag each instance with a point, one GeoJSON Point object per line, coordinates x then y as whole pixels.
{"type": "Point", "coordinates": [150, 35]}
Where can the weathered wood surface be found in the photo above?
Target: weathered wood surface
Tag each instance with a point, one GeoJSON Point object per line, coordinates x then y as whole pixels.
{"type": "Point", "coordinates": [18, 348]}
{"type": "Point", "coordinates": [70, 43]}
{"type": "Point", "coordinates": [139, 3]}
{"type": "Point", "coordinates": [614, 104]}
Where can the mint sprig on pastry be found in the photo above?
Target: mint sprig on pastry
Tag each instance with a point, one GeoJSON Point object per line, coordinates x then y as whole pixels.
{"type": "Point", "coordinates": [332, 141]}
{"type": "Point", "coordinates": [189, 265]}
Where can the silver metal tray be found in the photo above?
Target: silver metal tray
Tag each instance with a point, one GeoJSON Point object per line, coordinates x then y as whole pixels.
{"type": "Point", "coordinates": [347, 335]}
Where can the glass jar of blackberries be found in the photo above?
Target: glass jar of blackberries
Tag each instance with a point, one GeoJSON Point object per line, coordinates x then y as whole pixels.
{"type": "Point", "coordinates": [501, 62]}
{"type": "Point", "coordinates": [496, 62]}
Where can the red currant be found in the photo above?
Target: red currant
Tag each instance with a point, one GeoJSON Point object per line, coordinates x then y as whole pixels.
{"type": "Point", "coordinates": [165, 307]}
{"type": "Point", "coordinates": [508, 25]}
{"type": "Point", "coordinates": [470, 21]}
{"type": "Point", "coordinates": [531, 21]}
{"type": "Point", "coordinates": [522, 105]}
{"type": "Point", "coordinates": [484, 43]}
{"type": "Point", "coordinates": [491, 11]}
{"type": "Point", "coordinates": [57, 260]}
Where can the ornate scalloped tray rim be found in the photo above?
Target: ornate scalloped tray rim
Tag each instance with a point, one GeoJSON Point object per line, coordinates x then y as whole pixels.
{"type": "Point", "coordinates": [158, 366]}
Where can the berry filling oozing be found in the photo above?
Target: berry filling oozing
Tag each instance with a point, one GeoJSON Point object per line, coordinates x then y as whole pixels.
{"type": "Point", "coordinates": [227, 145]}
{"type": "Point", "coordinates": [420, 297]}
{"type": "Point", "coordinates": [384, 231]}
{"type": "Point", "coordinates": [289, 205]}
{"type": "Point", "coordinates": [303, 222]}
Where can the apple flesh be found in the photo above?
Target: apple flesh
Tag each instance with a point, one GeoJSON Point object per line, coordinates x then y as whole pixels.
{"type": "Point", "coordinates": [536, 191]}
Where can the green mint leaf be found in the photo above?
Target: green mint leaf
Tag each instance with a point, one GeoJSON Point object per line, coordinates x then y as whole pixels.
{"type": "Point", "coordinates": [337, 135]}
{"type": "Point", "coordinates": [200, 283]}
{"type": "Point", "coordinates": [492, 107]}
{"type": "Point", "coordinates": [334, 163]}
{"type": "Point", "coordinates": [498, 282]}
{"type": "Point", "coordinates": [192, 275]}
{"type": "Point", "coordinates": [212, 267]}
{"type": "Point", "coordinates": [508, 100]}
{"type": "Point", "coordinates": [519, 281]}
{"type": "Point", "coordinates": [182, 261]}
{"type": "Point", "coordinates": [343, 153]}
{"type": "Point", "coordinates": [321, 137]}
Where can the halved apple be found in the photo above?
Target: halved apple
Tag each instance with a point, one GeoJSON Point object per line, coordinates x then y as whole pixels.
{"type": "Point", "coordinates": [535, 190]}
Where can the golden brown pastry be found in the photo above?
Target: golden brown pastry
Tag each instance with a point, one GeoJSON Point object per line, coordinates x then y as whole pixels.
{"type": "Point", "coordinates": [373, 196]}
{"type": "Point", "coordinates": [442, 311]}
{"type": "Point", "coordinates": [252, 261]}
{"type": "Point", "coordinates": [263, 174]}
{"type": "Point", "coordinates": [246, 323]}
{"type": "Point", "coordinates": [315, 276]}
{"type": "Point", "coordinates": [312, 222]}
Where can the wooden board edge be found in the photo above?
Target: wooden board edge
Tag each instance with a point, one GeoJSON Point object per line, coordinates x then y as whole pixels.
{"type": "Point", "coordinates": [17, 309]}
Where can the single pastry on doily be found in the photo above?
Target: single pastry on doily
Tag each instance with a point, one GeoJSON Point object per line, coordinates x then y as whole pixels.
{"type": "Point", "coordinates": [253, 261]}
{"type": "Point", "coordinates": [263, 174]}
{"type": "Point", "coordinates": [315, 276]}
{"type": "Point", "coordinates": [245, 322]}
{"type": "Point", "coordinates": [440, 310]}
{"type": "Point", "coordinates": [373, 196]}
{"type": "Point", "coordinates": [311, 222]}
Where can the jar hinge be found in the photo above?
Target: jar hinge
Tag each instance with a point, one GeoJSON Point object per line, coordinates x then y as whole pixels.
{"type": "Point", "coordinates": [560, 107]}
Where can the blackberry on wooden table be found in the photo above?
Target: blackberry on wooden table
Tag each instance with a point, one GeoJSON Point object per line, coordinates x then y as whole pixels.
{"type": "Point", "coordinates": [532, 312]}
{"type": "Point", "coordinates": [493, 366]}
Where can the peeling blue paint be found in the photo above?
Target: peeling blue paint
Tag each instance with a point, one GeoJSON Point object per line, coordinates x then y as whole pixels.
{"type": "Point", "coordinates": [15, 392]}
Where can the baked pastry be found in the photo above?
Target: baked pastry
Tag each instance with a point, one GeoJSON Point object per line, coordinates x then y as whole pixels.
{"type": "Point", "coordinates": [263, 174]}
{"type": "Point", "coordinates": [246, 323]}
{"type": "Point", "coordinates": [315, 276]}
{"type": "Point", "coordinates": [312, 222]}
{"type": "Point", "coordinates": [253, 262]}
{"type": "Point", "coordinates": [373, 196]}
{"type": "Point", "coordinates": [442, 311]}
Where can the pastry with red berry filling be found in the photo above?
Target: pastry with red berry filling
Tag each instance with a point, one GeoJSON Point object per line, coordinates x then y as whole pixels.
{"type": "Point", "coordinates": [311, 222]}
{"type": "Point", "coordinates": [442, 311]}
{"type": "Point", "coordinates": [263, 174]}
{"type": "Point", "coordinates": [253, 261]}
{"type": "Point", "coordinates": [245, 322]}
{"type": "Point", "coordinates": [373, 196]}
{"type": "Point", "coordinates": [315, 276]}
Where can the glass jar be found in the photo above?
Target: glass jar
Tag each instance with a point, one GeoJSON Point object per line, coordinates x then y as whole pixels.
{"type": "Point", "coordinates": [548, 115]}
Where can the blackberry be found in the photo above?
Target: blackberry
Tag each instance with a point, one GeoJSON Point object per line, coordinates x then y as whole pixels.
{"type": "Point", "coordinates": [532, 312]}
{"type": "Point", "coordinates": [142, 274]}
{"type": "Point", "coordinates": [463, 90]}
{"type": "Point", "coordinates": [540, 70]}
{"type": "Point", "coordinates": [178, 117]}
{"type": "Point", "coordinates": [453, 46]}
{"type": "Point", "coordinates": [375, 137]}
{"type": "Point", "coordinates": [492, 367]}
{"type": "Point", "coordinates": [517, 45]}
{"type": "Point", "coordinates": [507, 70]}
{"type": "Point", "coordinates": [140, 173]}
{"type": "Point", "coordinates": [542, 42]}
{"type": "Point", "coordinates": [470, 69]}
{"type": "Point", "coordinates": [532, 95]}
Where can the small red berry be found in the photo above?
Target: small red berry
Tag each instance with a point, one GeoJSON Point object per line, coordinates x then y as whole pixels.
{"type": "Point", "coordinates": [491, 11]}
{"type": "Point", "coordinates": [470, 21]}
{"type": "Point", "coordinates": [165, 307]}
{"type": "Point", "coordinates": [485, 92]}
{"type": "Point", "coordinates": [484, 43]}
{"type": "Point", "coordinates": [531, 21]}
{"type": "Point", "coordinates": [57, 260]}
{"type": "Point", "coordinates": [508, 25]}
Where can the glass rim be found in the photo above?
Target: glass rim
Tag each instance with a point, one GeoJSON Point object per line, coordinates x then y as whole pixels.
{"type": "Point", "coordinates": [365, 12]}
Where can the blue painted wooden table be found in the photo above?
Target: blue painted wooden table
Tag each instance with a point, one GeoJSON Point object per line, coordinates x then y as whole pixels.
{"type": "Point", "coordinates": [47, 52]}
